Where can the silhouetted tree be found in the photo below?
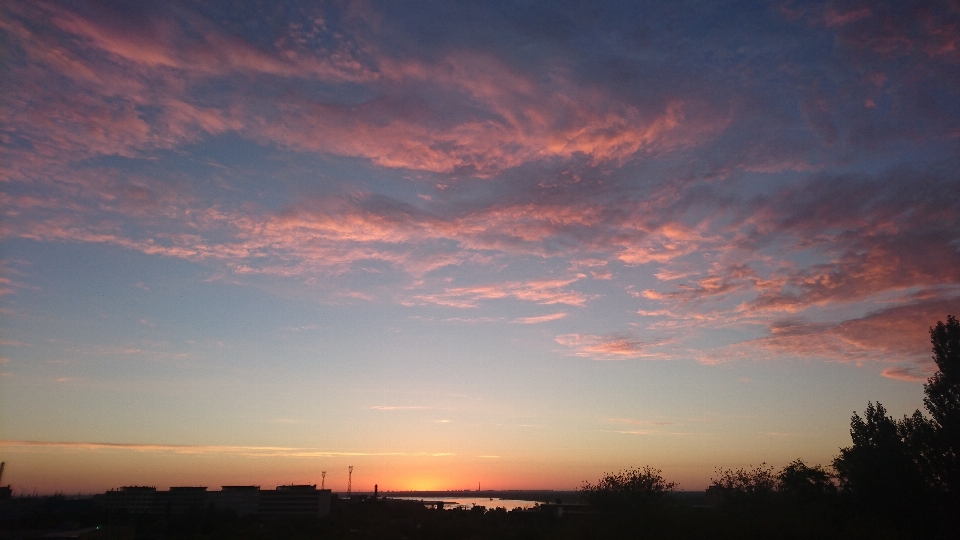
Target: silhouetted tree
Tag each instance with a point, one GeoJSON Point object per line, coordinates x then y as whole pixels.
{"type": "Point", "coordinates": [804, 484]}
{"type": "Point", "coordinates": [746, 489]}
{"type": "Point", "coordinates": [919, 436]}
{"type": "Point", "coordinates": [631, 489]}
{"type": "Point", "coordinates": [879, 470]}
{"type": "Point", "coordinates": [943, 404]}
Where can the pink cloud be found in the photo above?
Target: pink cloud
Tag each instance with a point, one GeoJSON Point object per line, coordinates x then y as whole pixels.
{"type": "Point", "coordinates": [194, 44]}
{"type": "Point", "coordinates": [909, 374]}
{"type": "Point", "coordinates": [832, 18]}
{"type": "Point", "coordinates": [893, 334]}
{"type": "Point", "coordinates": [607, 347]}
{"type": "Point", "coordinates": [818, 243]}
{"type": "Point", "coordinates": [155, 60]}
{"type": "Point", "coordinates": [252, 451]}
{"type": "Point", "coordinates": [483, 146]}
{"type": "Point", "coordinates": [891, 30]}
{"type": "Point", "coordinates": [545, 291]}
{"type": "Point", "coordinates": [541, 318]}
{"type": "Point", "coordinates": [661, 244]}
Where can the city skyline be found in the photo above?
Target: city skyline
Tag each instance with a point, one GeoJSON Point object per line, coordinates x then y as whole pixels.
{"type": "Point", "coordinates": [520, 244]}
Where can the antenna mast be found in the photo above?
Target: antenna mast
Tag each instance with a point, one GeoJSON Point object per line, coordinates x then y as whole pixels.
{"type": "Point", "coordinates": [323, 478]}
{"type": "Point", "coordinates": [349, 478]}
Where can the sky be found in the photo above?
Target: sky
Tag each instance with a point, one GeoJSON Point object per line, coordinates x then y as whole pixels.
{"type": "Point", "coordinates": [513, 244]}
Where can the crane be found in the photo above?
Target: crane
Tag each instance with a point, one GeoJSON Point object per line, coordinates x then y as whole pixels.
{"type": "Point", "coordinates": [349, 478]}
{"type": "Point", "coordinates": [323, 478]}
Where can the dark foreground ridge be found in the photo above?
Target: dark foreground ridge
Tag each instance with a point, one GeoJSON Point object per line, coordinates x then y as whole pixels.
{"type": "Point", "coordinates": [900, 479]}
{"type": "Point", "coordinates": [671, 516]}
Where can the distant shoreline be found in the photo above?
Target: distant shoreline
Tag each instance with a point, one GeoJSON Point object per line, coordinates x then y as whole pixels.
{"type": "Point", "coordinates": [536, 495]}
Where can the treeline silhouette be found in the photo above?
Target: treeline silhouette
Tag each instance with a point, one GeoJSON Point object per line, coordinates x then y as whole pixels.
{"type": "Point", "coordinates": [899, 479]}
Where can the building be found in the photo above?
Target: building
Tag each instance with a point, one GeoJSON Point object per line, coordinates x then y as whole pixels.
{"type": "Point", "coordinates": [294, 500]}
{"type": "Point", "coordinates": [180, 499]}
{"type": "Point", "coordinates": [133, 499]}
{"type": "Point", "coordinates": [243, 500]}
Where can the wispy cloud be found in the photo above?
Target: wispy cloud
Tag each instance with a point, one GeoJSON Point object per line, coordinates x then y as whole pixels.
{"type": "Point", "coordinates": [636, 422]}
{"type": "Point", "coordinates": [247, 451]}
{"type": "Point", "coordinates": [542, 291]}
{"type": "Point", "coordinates": [910, 374]}
{"type": "Point", "coordinates": [644, 432]}
{"type": "Point", "coordinates": [607, 346]}
{"type": "Point", "coordinates": [397, 407]}
{"type": "Point", "coordinates": [540, 319]}
{"type": "Point", "coordinates": [892, 334]}
{"type": "Point", "coordinates": [520, 163]}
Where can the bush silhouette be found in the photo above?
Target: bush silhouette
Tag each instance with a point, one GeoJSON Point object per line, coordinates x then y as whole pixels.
{"type": "Point", "coordinates": [743, 488]}
{"type": "Point", "coordinates": [804, 484]}
{"type": "Point", "coordinates": [631, 489]}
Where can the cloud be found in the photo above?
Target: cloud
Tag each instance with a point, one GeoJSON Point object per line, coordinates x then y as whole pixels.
{"type": "Point", "coordinates": [643, 432]}
{"type": "Point", "coordinates": [467, 110]}
{"type": "Point", "coordinates": [892, 30]}
{"type": "Point", "coordinates": [909, 374]}
{"type": "Point", "coordinates": [636, 422]}
{"type": "Point", "coordinates": [750, 193]}
{"type": "Point", "coordinates": [396, 407]}
{"type": "Point", "coordinates": [247, 451]}
{"type": "Point", "coordinates": [892, 334]}
{"type": "Point", "coordinates": [470, 111]}
{"type": "Point", "coordinates": [833, 19]}
{"type": "Point", "coordinates": [835, 240]}
{"type": "Point", "coordinates": [540, 319]}
{"type": "Point", "coordinates": [543, 291]}
{"type": "Point", "coordinates": [607, 347]}
{"type": "Point", "coordinates": [193, 44]}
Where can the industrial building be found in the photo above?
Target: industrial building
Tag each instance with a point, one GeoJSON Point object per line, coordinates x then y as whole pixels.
{"type": "Point", "coordinates": [293, 500]}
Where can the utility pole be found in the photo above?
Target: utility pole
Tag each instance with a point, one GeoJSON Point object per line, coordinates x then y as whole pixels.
{"type": "Point", "coordinates": [349, 479]}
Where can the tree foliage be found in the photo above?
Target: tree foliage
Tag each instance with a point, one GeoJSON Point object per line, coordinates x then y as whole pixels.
{"type": "Point", "coordinates": [743, 487]}
{"type": "Point", "coordinates": [758, 481]}
{"type": "Point", "coordinates": [897, 467]}
{"type": "Point", "coordinates": [879, 469]}
{"type": "Point", "coordinates": [628, 489]}
{"type": "Point", "coordinates": [804, 483]}
{"type": "Point", "coordinates": [943, 403]}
